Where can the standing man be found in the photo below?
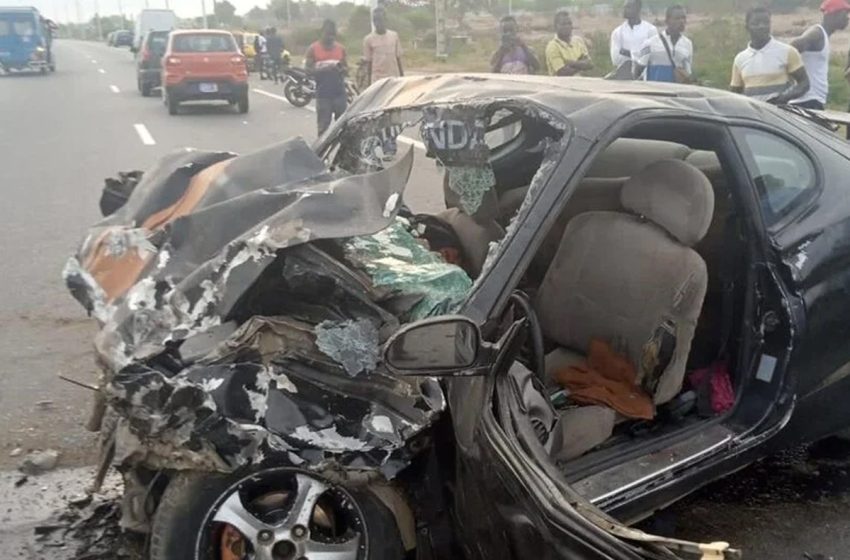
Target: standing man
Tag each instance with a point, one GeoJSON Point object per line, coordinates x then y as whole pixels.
{"type": "Point", "coordinates": [629, 38]}
{"type": "Point", "coordinates": [566, 55]}
{"type": "Point", "coordinates": [813, 46]}
{"type": "Point", "coordinates": [668, 56]}
{"type": "Point", "coordinates": [513, 55]}
{"type": "Point", "coordinates": [274, 45]}
{"type": "Point", "coordinates": [382, 49]}
{"type": "Point", "coordinates": [326, 60]}
{"type": "Point", "coordinates": [260, 53]}
{"type": "Point", "coordinates": [768, 69]}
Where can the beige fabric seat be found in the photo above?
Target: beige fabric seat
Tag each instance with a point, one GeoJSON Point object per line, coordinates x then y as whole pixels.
{"type": "Point", "coordinates": [619, 276]}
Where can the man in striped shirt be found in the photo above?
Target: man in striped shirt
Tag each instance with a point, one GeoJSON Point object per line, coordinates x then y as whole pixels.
{"type": "Point", "coordinates": [768, 69]}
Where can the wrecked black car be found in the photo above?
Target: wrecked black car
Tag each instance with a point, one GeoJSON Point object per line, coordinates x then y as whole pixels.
{"type": "Point", "coordinates": [612, 294]}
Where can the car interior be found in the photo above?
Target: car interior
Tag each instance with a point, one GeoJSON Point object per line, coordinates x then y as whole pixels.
{"type": "Point", "coordinates": [644, 266]}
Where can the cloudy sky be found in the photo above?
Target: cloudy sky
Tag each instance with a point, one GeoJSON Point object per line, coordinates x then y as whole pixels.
{"type": "Point", "coordinates": [64, 10]}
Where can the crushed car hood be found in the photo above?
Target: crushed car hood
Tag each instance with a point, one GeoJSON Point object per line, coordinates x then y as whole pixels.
{"type": "Point", "coordinates": [243, 301]}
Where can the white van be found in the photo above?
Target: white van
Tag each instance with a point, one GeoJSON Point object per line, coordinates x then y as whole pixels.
{"type": "Point", "coordinates": [152, 20]}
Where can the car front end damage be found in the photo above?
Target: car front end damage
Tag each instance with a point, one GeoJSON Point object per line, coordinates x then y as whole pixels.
{"type": "Point", "coordinates": [242, 314]}
{"type": "Point", "coordinates": [243, 302]}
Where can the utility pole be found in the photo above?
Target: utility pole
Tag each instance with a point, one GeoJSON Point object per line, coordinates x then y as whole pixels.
{"type": "Point", "coordinates": [204, 12]}
{"type": "Point", "coordinates": [440, 28]}
{"type": "Point", "coordinates": [289, 16]}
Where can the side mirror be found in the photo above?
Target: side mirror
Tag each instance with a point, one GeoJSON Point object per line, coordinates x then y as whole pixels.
{"type": "Point", "coordinates": [448, 345]}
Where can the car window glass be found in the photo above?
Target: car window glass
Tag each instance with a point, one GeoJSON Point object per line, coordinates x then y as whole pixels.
{"type": "Point", "coordinates": [203, 43]}
{"type": "Point", "coordinates": [157, 43]}
{"type": "Point", "coordinates": [24, 27]}
{"type": "Point", "coordinates": [782, 171]}
{"type": "Point", "coordinates": [5, 27]}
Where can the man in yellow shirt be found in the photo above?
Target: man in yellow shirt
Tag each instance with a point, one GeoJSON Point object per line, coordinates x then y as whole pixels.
{"type": "Point", "coordinates": [566, 55]}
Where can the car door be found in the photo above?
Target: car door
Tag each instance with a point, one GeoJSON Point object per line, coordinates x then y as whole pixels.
{"type": "Point", "coordinates": [799, 172]}
{"type": "Point", "coordinates": [508, 506]}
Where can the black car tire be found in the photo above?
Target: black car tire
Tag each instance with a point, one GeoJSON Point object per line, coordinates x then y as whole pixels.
{"type": "Point", "coordinates": [173, 105]}
{"type": "Point", "coordinates": [188, 498]}
{"type": "Point", "coordinates": [244, 104]}
{"type": "Point", "coordinates": [295, 95]}
{"type": "Point", "coordinates": [145, 88]}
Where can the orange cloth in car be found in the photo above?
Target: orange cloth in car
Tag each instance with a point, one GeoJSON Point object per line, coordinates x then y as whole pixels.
{"type": "Point", "coordinates": [606, 378]}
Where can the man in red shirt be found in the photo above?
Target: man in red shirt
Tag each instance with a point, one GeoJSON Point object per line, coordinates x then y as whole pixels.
{"type": "Point", "coordinates": [326, 60]}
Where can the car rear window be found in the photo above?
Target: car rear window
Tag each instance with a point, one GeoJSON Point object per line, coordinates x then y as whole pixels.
{"type": "Point", "coordinates": [157, 42]}
{"type": "Point", "coordinates": [203, 43]}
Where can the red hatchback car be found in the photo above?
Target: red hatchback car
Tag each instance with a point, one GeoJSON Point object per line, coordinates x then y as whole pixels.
{"type": "Point", "coordinates": [203, 64]}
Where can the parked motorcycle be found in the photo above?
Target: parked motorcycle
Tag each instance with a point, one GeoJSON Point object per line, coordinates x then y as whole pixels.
{"type": "Point", "coordinates": [299, 87]}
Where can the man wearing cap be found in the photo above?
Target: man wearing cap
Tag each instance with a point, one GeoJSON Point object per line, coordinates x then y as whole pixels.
{"type": "Point", "coordinates": [814, 49]}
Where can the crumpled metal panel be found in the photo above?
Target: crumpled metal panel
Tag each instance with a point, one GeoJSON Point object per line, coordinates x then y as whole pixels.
{"type": "Point", "coordinates": [214, 223]}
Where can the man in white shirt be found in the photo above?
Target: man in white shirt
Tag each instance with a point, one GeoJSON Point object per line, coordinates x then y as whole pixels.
{"type": "Point", "coordinates": [628, 39]}
{"type": "Point", "coordinates": [813, 46]}
{"type": "Point", "coordinates": [669, 56]}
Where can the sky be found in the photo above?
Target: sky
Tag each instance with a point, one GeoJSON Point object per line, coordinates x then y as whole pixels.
{"type": "Point", "coordinates": [66, 10]}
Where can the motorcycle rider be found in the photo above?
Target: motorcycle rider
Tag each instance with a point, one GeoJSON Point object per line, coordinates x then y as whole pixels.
{"type": "Point", "coordinates": [325, 59]}
{"type": "Point", "coordinates": [274, 46]}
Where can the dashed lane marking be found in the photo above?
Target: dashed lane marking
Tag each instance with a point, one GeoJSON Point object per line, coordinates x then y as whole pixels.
{"type": "Point", "coordinates": [144, 134]}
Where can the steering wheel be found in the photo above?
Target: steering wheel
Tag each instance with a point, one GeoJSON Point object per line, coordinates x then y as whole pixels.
{"type": "Point", "coordinates": [521, 300]}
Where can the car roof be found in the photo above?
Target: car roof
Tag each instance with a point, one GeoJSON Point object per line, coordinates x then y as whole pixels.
{"type": "Point", "coordinates": [200, 31]}
{"type": "Point", "coordinates": [589, 102]}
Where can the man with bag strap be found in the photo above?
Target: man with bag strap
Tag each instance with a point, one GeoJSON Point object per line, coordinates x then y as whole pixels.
{"type": "Point", "coordinates": [668, 56]}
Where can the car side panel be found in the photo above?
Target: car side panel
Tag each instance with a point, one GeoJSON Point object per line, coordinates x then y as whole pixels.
{"type": "Point", "coordinates": [815, 248]}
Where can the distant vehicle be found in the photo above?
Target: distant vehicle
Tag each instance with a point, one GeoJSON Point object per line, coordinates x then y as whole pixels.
{"type": "Point", "coordinates": [152, 20]}
{"type": "Point", "coordinates": [204, 65]}
{"type": "Point", "coordinates": [26, 39]}
{"type": "Point", "coordinates": [122, 38]}
{"type": "Point", "coordinates": [109, 38]}
{"type": "Point", "coordinates": [149, 65]}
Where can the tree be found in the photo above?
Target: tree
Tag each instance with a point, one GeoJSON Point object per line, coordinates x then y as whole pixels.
{"type": "Point", "coordinates": [225, 12]}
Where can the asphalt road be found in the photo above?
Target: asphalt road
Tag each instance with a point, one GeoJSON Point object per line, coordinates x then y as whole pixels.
{"type": "Point", "coordinates": [60, 136]}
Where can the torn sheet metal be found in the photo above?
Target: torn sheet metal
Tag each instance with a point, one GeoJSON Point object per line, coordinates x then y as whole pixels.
{"type": "Point", "coordinates": [216, 222]}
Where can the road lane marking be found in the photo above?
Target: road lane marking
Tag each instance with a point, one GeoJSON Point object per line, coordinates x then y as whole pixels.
{"type": "Point", "coordinates": [144, 135]}
{"type": "Point", "coordinates": [101, 70]}
{"type": "Point", "coordinates": [115, 89]}
{"type": "Point", "coordinates": [93, 61]}
{"type": "Point", "coordinates": [402, 139]}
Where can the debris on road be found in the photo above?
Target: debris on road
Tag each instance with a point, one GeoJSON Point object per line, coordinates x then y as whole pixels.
{"type": "Point", "coordinates": [16, 452]}
{"type": "Point", "coordinates": [87, 529]}
{"type": "Point", "coordinates": [38, 462]}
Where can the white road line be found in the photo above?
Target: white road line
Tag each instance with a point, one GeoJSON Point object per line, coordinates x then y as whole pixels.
{"type": "Point", "coordinates": [101, 70]}
{"type": "Point", "coordinates": [93, 61]}
{"type": "Point", "coordinates": [402, 139]}
{"type": "Point", "coordinates": [144, 135]}
{"type": "Point", "coordinates": [115, 89]}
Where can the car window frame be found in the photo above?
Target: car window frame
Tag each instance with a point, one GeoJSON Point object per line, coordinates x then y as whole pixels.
{"type": "Point", "coordinates": [777, 221]}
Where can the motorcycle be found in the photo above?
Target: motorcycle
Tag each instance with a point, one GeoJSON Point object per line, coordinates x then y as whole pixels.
{"type": "Point", "coordinates": [299, 87]}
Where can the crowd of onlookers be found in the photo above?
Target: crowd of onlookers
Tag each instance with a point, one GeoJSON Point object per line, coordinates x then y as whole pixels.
{"type": "Point", "coordinates": [767, 69]}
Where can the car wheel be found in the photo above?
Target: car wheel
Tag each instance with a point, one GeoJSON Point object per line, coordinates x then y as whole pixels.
{"type": "Point", "coordinates": [274, 513]}
{"type": "Point", "coordinates": [244, 104]}
{"type": "Point", "coordinates": [145, 88]}
{"type": "Point", "coordinates": [173, 105]}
